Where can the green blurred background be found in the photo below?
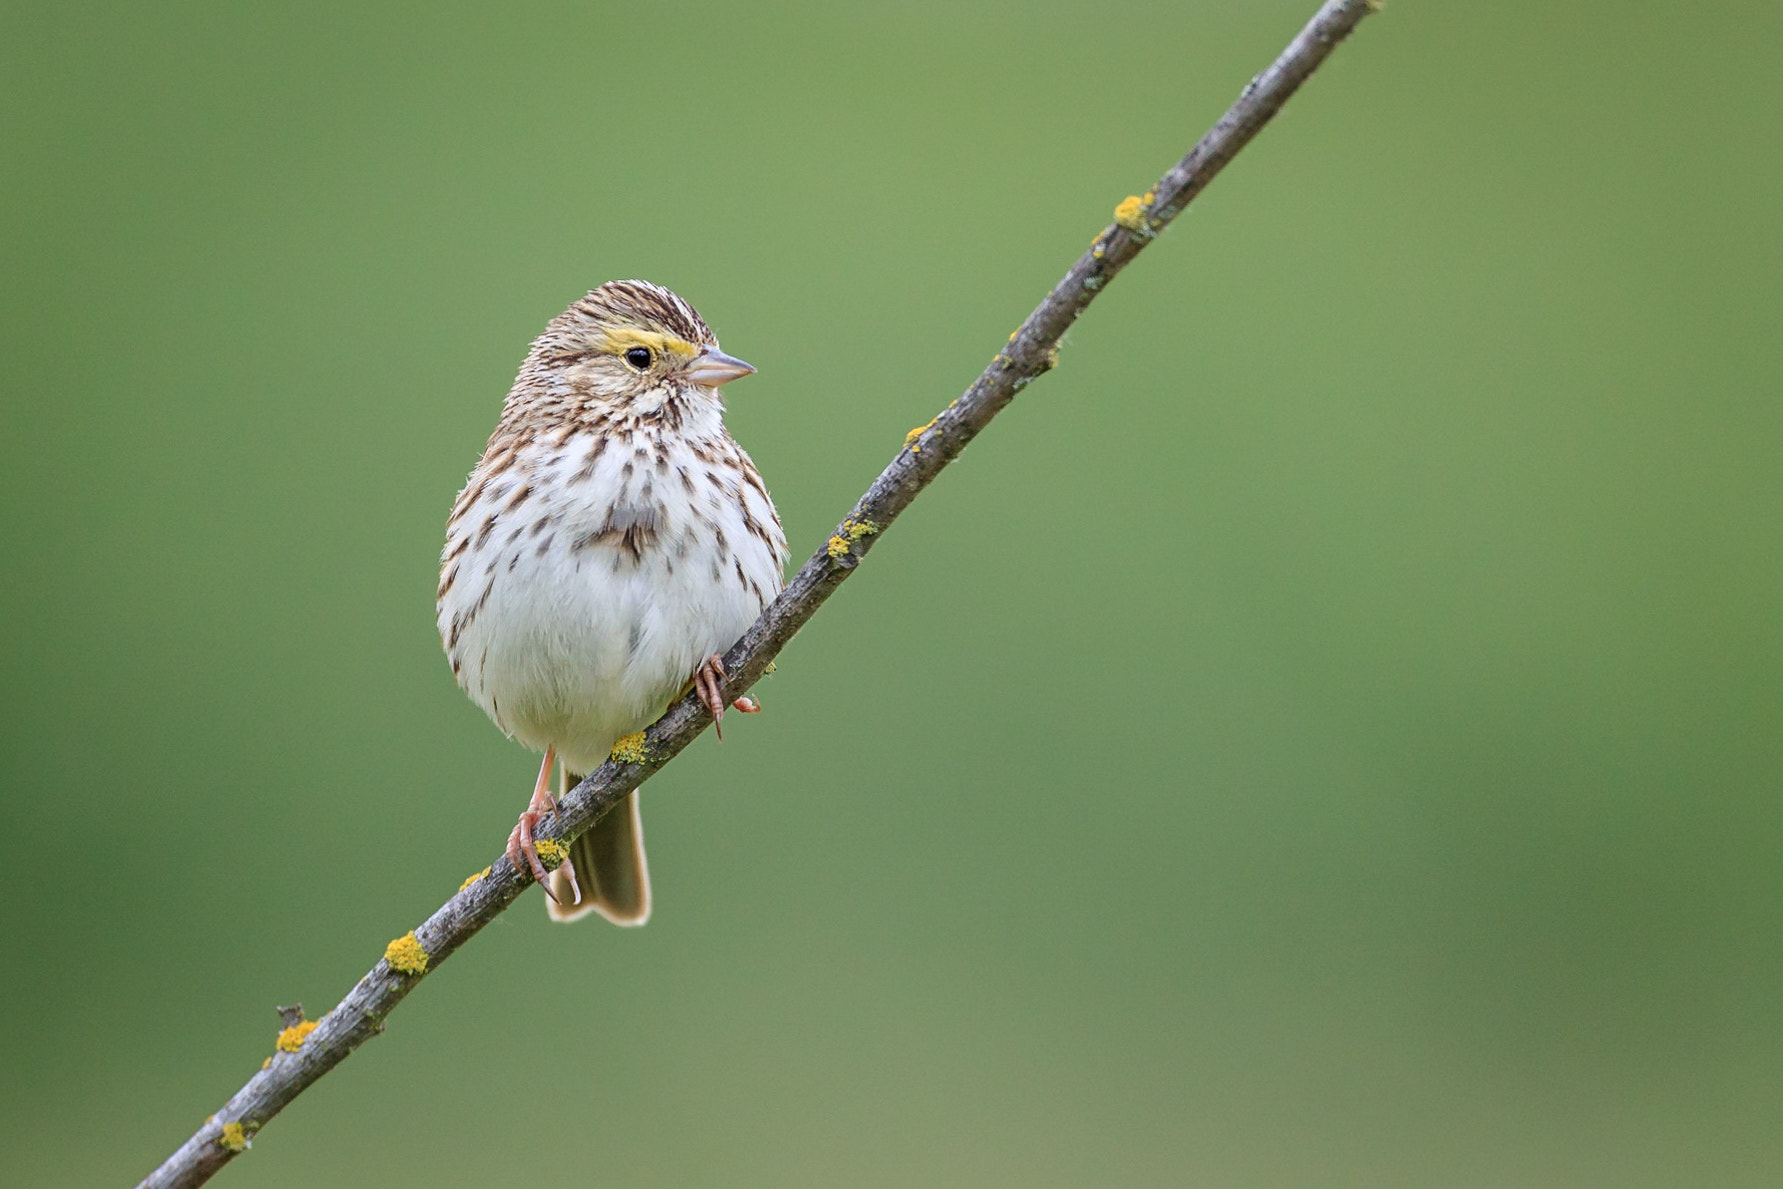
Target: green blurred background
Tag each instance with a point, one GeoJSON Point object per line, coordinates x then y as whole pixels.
{"type": "Point", "coordinates": [1330, 732]}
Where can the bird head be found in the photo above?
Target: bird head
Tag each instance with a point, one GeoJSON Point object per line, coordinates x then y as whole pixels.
{"type": "Point", "coordinates": [631, 347]}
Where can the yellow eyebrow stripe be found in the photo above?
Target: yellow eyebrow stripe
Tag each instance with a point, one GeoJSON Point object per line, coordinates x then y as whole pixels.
{"type": "Point", "coordinates": [623, 338]}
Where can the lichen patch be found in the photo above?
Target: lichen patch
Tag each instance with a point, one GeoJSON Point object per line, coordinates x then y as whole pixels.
{"type": "Point", "coordinates": [406, 955]}
{"type": "Point", "coordinates": [632, 749]}
{"type": "Point", "coordinates": [551, 853]}
{"type": "Point", "coordinates": [292, 1038]}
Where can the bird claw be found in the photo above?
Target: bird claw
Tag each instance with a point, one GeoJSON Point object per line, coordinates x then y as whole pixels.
{"type": "Point", "coordinates": [523, 854]}
{"type": "Point", "coordinates": [708, 681]}
{"type": "Point", "coordinates": [569, 870]}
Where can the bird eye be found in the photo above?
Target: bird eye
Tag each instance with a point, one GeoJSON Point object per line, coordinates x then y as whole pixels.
{"type": "Point", "coordinates": [638, 357]}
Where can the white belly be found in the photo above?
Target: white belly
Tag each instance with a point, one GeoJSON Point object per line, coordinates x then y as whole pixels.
{"type": "Point", "coordinates": [571, 632]}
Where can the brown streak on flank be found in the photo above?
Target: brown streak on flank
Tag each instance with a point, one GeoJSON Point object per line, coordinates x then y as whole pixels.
{"type": "Point", "coordinates": [488, 527]}
{"type": "Point", "coordinates": [468, 616]}
{"type": "Point", "coordinates": [520, 496]}
{"type": "Point", "coordinates": [446, 581]}
{"type": "Point", "coordinates": [477, 607]}
{"type": "Point", "coordinates": [754, 480]}
{"type": "Point", "coordinates": [757, 531]}
{"type": "Point", "coordinates": [466, 499]}
{"type": "Point", "coordinates": [686, 480]}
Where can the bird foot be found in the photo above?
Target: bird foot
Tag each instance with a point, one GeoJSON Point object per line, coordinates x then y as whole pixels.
{"type": "Point", "coordinates": [708, 680]}
{"type": "Point", "coordinates": [523, 852]}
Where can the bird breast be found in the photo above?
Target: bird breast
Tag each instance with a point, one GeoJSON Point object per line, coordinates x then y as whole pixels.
{"type": "Point", "coordinates": [586, 576]}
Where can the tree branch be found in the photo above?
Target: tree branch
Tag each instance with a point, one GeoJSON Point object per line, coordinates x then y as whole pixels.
{"type": "Point", "coordinates": [303, 1058]}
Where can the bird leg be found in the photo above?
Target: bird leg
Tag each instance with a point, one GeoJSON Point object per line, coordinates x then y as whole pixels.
{"type": "Point", "coordinates": [708, 679]}
{"type": "Point", "coordinates": [522, 854]}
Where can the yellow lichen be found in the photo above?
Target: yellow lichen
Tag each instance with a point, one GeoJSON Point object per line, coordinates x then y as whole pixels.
{"type": "Point", "coordinates": [551, 853]}
{"type": "Point", "coordinates": [474, 878]}
{"type": "Point", "coordinates": [406, 955]}
{"type": "Point", "coordinates": [1131, 213]}
{"type": "Point", "coordinates": [632, 749]}
{"type": "Point", "coordinates": [235, 1138]}
{"type": "Point", "coordinates": [266, 1063]}
{"type": "Point", "coordinates": [852, 531]}
{"type": "Point", "coordinates": [910, 438]}
{"type": "Point", "coordinates": [292, 1038]}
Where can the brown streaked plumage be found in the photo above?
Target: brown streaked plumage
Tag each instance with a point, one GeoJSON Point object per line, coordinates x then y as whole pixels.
{"type": "Point", "coordinates": [611, 542]}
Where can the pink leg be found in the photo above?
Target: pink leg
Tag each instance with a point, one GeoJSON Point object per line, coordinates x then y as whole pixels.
{"type": "Point", "coordinates": [521, 852]}
{"type": "Point", "coordinates": [708, 680]}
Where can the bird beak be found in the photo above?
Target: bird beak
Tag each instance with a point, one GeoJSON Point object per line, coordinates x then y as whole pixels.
{"type": "Point", "coordinates": [712, 367]}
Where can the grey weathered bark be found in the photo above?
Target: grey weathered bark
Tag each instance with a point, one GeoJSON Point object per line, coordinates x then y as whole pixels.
{"type": "Point", "coordinates": [307, 1052]}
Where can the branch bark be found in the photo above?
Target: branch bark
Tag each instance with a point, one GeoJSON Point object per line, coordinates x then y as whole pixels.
{"type": "Point", "coordinates": [303, 1058]}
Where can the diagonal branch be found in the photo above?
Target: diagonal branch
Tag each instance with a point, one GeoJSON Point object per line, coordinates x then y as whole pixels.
{"type": "Point", "coordinates": [1031, 352]}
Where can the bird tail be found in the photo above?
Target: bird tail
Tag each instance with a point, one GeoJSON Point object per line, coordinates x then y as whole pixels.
{"type": "Point", "coordinates": [610, 868]}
